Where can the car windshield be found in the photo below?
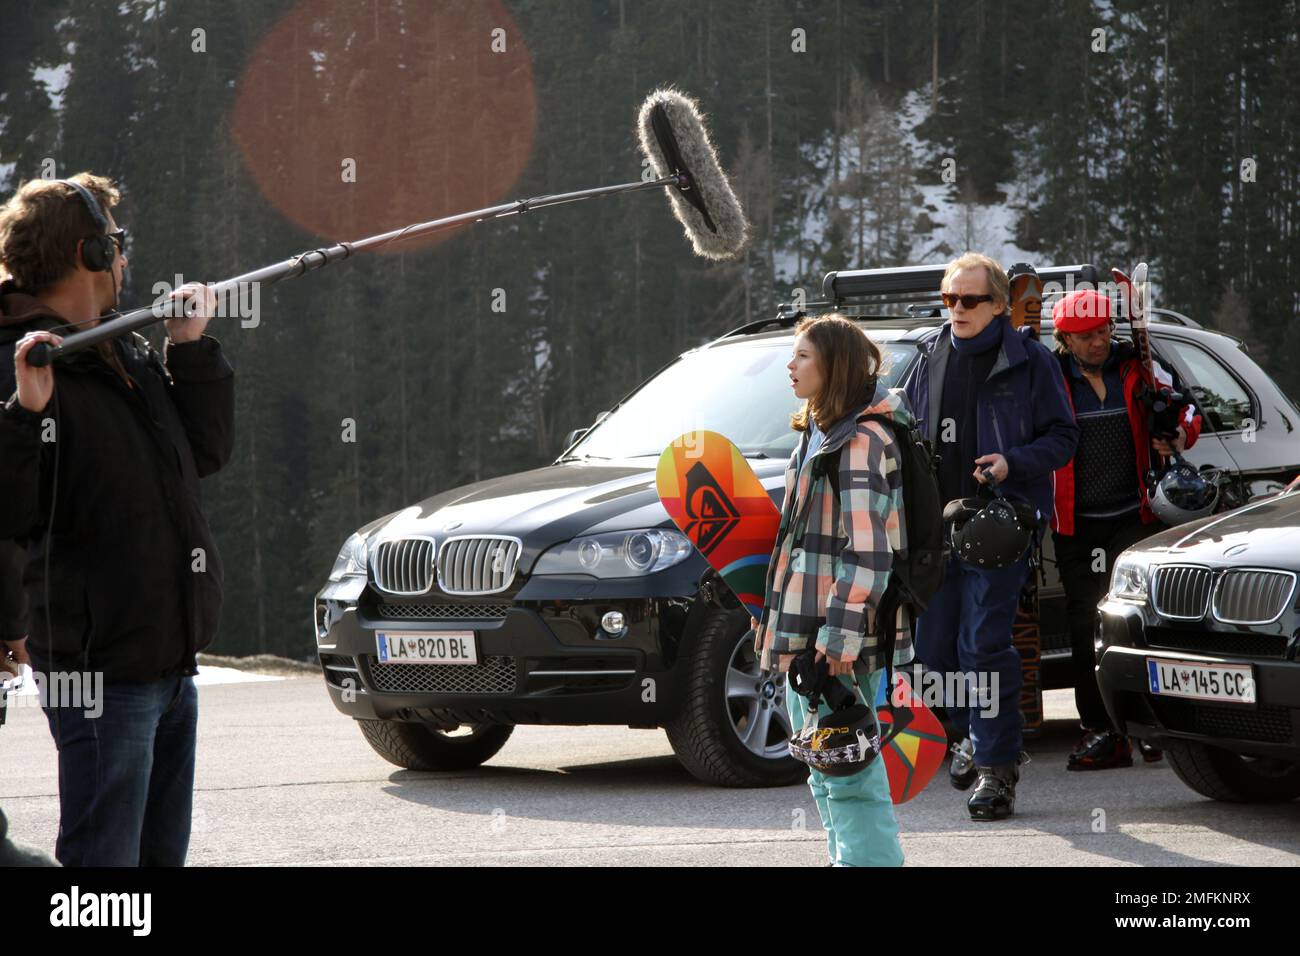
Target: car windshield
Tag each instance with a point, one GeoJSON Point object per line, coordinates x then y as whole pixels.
{"type": "Point", "coordinates": [742, 392]}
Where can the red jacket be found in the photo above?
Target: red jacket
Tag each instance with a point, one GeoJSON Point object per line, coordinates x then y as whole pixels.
{"type": "Point", "coordinates": [1130, 370]}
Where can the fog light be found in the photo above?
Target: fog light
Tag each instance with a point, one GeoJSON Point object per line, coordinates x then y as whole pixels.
{"type": "Point", "coordinates": [613, 622]}
{"type": "Point", "coordinates": [323, 621]}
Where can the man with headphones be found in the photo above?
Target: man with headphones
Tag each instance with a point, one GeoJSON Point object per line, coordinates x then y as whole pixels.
{"type": "Point", "coordinates": [100, 461]}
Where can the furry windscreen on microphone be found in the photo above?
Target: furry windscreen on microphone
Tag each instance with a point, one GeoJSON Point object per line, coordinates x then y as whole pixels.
{"type": "Point", "coordinates": [673, 137]}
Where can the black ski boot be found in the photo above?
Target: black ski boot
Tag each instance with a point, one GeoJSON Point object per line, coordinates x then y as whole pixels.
{"type": "Point", "coordinates": [1150, 752]}
{"type": "Point", "coordinates": [1100, 750]}
{"type": "Point", "coordinates": [995, 797]}
{"type": "Point", "coordinates": [961, 772]}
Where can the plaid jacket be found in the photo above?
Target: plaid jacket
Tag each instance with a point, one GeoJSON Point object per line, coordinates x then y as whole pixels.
{"type": "Point", "coordinates": [833, 557]}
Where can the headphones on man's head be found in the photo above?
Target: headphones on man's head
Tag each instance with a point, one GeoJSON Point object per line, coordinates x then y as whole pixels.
{"type": "Point", "coordinates": [97, 252]}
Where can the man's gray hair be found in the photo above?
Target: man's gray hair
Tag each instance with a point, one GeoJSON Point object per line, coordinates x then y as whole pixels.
{"type": "Point", "coordinates": [999, 287]}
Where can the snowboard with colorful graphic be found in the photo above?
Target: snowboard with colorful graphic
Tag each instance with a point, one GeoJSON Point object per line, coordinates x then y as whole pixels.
{"type": "Point", "coordinates": [1026, 632]}
{"type": "Point", "coordinates": [717, 501]}
{"type": "Point", "coordinates": [712, 494]}
{"type": "Point", "coordinates": [916, 753]}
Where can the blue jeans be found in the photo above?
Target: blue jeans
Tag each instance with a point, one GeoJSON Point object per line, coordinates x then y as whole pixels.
{"type": "Point", "coordinates": [126, 777]}
{"type": "Point", "coordinates": [966, 629]}
{"type": "Point", "coordinates": [857, 812]}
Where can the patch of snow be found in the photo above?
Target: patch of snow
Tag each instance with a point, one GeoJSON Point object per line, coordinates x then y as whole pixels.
{"type": "Point", "coordinates": [989, 228]}
{"type": "Point", "coordinates": [207, 676]}
{"type": "Point", "coordinates": [55, 81]}
{"type": "Point", "coordinates": [992, 227]}
{"type": "Point", "coordinates": [229, 675]}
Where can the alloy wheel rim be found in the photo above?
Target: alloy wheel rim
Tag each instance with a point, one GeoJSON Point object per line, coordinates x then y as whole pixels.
{"type": "Point", "coordinates": [755, 702]}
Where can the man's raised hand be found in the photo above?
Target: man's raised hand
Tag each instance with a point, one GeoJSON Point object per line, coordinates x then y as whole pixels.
{"type": "Point", "coordinates": [35, 385]}
{"type": "Point", "coordinates": [198, 305]}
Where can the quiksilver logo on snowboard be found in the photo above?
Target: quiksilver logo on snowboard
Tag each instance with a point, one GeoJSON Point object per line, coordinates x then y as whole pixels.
{"type": "Point", "coordinates": [712, 513]}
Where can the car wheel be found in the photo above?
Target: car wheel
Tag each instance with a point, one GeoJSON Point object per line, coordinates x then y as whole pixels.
{"type": "Point", "coordinates": [733, 727]}
{"type": "Point", "coordinates": [415, 746]}
{"type": "Point", "coordinates": [1223, 775]}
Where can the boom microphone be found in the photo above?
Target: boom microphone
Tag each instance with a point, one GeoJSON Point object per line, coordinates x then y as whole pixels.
{"type": "Point", "coordinates": [675, 140]}
{"type": "Point", "coordinates": [672, 136]}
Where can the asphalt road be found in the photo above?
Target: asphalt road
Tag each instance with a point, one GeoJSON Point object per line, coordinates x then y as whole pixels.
{"type": "Point", "coordinates": [283, 778]}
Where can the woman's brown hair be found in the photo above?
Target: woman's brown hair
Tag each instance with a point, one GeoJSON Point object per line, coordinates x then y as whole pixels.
{"type": "Point", "coordinates": [849, 363]}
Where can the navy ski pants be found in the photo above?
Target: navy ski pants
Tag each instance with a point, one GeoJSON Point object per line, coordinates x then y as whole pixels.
{"type": "Point", "coordinates": [966, 629]}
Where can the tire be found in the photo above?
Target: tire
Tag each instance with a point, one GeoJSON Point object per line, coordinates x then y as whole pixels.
{"type": "Point", "coordinates": [1222, 775]}
{"type": "Point", "coordinates": [414, 746]}
{"type": "Point", "coordinates": [708, 734]}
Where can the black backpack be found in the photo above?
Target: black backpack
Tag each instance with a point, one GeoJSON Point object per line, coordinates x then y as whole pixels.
{"type": "Point", "coordinates": [918, 573]}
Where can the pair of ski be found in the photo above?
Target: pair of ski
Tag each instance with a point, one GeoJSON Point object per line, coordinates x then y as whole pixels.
{"type": "Point", "coordinates": [1160, 397]}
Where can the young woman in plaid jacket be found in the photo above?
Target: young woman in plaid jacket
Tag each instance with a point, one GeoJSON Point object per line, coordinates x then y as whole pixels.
{"type": "Point", "coordinates": [833, 558]}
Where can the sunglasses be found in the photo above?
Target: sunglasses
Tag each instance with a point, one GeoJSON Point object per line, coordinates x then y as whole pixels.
{"type": "Point", "coordinates": [119, 237]}
{"type": "Point", "coordinates": [967, 301]}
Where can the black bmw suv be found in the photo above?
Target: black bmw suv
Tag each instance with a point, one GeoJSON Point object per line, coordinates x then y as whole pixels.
{"type": "Point", "coordinates": [564, 595]}
{"type": "Point", "coordinates": [1197, 649]}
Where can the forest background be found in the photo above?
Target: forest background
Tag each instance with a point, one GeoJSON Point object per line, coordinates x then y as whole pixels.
{"type": "Point", "coordinates": [1070, 131]}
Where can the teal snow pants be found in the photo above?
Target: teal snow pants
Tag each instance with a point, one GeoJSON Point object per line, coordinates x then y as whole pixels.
{"type": "Point", "coordinates": [856, 811]}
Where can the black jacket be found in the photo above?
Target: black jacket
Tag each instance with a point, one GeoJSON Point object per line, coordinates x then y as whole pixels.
{"type": "Point", "coordinates": [13, 600]}
{"type": "Point", "coordinates": [134, 576]}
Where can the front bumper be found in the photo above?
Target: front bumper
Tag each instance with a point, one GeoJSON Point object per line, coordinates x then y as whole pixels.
{"type": "Point", "coordinates": [1269, 728]}
{"type": "Point", "coordinates": [540, 662]}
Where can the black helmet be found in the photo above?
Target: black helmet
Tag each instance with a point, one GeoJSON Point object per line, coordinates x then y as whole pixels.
{"type": "Point", "coordinates": [839, 744]}
{"type": "Point", "coordinates": [1183, 494]}
{"type": "Point", "coordinates": [993, 533]}
{"type": "Point", "coordinates": [845, 741]}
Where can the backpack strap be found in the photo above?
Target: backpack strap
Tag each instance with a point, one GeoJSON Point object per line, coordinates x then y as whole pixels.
{"type": "Point", "coordinates": [891, 600]}
{"type": "Point", "coordinates": [830, 461]}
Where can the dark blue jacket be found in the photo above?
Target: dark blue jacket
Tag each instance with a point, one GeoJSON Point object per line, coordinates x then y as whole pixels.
{"type": "Point", "coordinates": [1024, 411]}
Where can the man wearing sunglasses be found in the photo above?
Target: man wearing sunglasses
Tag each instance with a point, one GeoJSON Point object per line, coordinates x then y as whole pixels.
{"type": "Point", "coordinates": [100, 461]}
{"type": "Point", "coordinates": [992, 402]}
{"type": "Point", "coordinates": [1101, 496]}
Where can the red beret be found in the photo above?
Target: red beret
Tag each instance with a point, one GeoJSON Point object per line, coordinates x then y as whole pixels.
{"type": "Point", "coordinates": [1081, 311]}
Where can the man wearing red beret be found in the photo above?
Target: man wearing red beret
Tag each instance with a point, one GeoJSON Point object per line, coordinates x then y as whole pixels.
{"type": "Point", "coordinates": [1101, 495]}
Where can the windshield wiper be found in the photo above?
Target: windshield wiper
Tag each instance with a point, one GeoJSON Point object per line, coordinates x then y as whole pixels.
{"type": "Point", "coordinates": [584, 458]}
{"type": "Point", "coordinates": [656, 454]}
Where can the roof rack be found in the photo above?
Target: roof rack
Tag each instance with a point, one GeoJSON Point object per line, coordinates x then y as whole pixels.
{"type": "Point", "coordinates": [1177, 318]}
{"type": "Point", "coordinates": [910, 282]}
{"type": "Point", "coordinates": [781, 319]}
{"type": "Point", "coordinates": [916, 288]}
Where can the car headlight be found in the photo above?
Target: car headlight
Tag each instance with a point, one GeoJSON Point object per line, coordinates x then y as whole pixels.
{"type": "Point", "coordinates": [352, 560]}
{"type": "Point", "coordinates": [620, 554]}
{"type": "Point", "coordinates": [1128, 581]}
